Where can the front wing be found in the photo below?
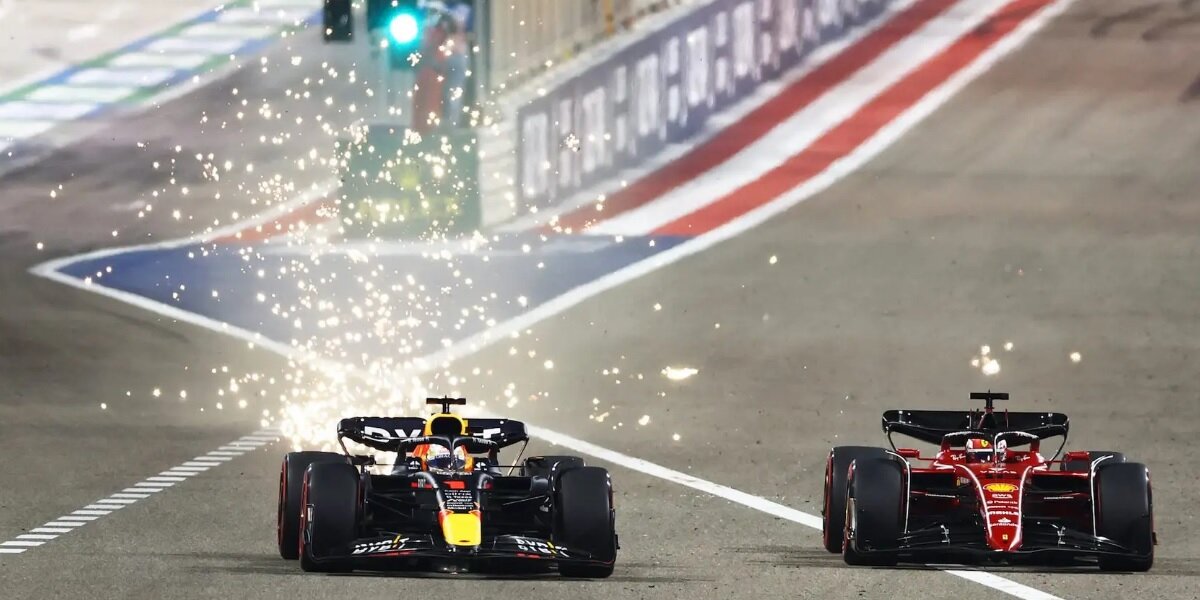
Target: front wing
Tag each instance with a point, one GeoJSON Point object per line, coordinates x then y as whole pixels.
{"type": "Point", "coordinates": [1040, 541]}
{"type": "Point", "coordinates": [430, 551]}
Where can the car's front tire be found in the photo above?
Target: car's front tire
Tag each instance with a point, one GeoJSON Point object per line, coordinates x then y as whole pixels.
{"type": "Point", "coordinates": [329, 515]}
{"type": "Point", "coordinates": [1125, 514]}
{"type": "Point", "coordinates": [585, 520]}
{"type": "Point", "coordinates": [291, 486]}
{"type": "Point", "coordinates": [874, 512]}
{"type": "Point", "coordinates": [833, 511]}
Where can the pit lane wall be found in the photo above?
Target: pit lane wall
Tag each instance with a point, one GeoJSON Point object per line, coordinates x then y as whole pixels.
{"type": "Point", "coordinates": [659, 88]}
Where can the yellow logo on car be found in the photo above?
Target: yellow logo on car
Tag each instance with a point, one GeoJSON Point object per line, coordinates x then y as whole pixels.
{"type": "Point", "coordinates": [1002, 488]}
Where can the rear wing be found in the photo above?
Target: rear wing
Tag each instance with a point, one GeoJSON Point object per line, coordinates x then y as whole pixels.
{"type": "Point", "coordinates": [933, 425]}
{"type": "Point", "coordinates": [387, 433]}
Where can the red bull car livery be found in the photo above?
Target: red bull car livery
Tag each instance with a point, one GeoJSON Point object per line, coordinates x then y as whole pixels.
{"type": "Point", "coordinates": [446, 503]}
{"type": "Point", "coordinates": [986, 492]}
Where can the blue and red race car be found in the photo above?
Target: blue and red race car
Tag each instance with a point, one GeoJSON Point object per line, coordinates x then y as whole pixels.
{"type": "Point", "coordinates": [446, 504]}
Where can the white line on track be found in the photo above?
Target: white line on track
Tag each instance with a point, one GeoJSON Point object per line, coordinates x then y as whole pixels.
{"type": "Point", "coordinates": [21, 544]}
{"type": "Point", "coordinates": [851, 162]}
{"type": "Point", "coordinates": [141, 490]}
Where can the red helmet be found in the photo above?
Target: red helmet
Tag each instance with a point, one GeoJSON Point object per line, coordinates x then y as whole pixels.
{"type": "Point", "coordinates": [980, 450]}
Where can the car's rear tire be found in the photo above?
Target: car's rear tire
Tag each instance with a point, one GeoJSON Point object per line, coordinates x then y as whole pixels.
{"type": "Point", "coordinates": [338, 21]}
{"type": "Point", "coordinates": [1085, 466]}
{"type": "Point", "coordinates": [545, 466]}
{"type": "Point", "coordinates": [1125, 514]}
{"type": "Point", "coordinates": [833, 510]}
{"type": "Point", "coordinates": [585, 520]}
{"type": "Point", "coordinates": [874, 512]}
{"type": "Point", "coordinates": [291, 486]}
{"type": "Point", "coordinates": [330, 524]}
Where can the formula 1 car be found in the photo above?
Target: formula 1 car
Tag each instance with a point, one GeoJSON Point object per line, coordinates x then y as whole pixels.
{"type": "Point", "coordinates": [980, 496]}
{"type": "Point", "coordinates": [446, 504]}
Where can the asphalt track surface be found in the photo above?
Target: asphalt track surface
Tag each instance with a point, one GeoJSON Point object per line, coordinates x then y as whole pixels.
{"type": "Point", "coordinates": [1050, 204]}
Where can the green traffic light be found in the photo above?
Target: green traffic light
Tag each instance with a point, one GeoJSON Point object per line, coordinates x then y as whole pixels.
{"type": "Point", "coordinates": [404, 29]}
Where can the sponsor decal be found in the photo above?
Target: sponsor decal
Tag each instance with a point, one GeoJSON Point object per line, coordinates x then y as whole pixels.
{"type": "Point", "coordinates": [996, 496]}
{"type": "Point", "coordinates": [382, 434]}
{"type": "Point", "coordinates": [396, 543]}
{"type": "Point", "coordinates": [663, 88]}
{"type": "Point", "coordinates": [459, 500]}
{"type": "Point", "coordinates": [536, 546]}
{"type": "Point", "coordinates": [1004, 521]}
{"type": "Point", "coordinates": [1011, 513]}
{"type": "Point", "coordinates": [1002, 488]}
{"type": "Point", "coordinates": [488, 433]}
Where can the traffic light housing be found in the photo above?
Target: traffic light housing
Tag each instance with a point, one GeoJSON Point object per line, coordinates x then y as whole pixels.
{"type": "Point", "coordinates": [338, 21]}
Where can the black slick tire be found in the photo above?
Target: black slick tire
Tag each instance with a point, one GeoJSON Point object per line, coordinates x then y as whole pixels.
{"type": "Point", "coordinates": [291, 485]}
{"type": "Point", "coordinates": [874, 512]}
{"type": "Point", "coordinates": [585, 520]}
{"type": "Point", "coordinates": [1125, 514]}
{"type": "Point", "coordinates": [833, 510]}
{"type": "Point", "coordinates": [330, 525]}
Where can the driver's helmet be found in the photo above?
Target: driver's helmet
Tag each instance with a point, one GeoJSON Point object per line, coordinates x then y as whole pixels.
{"type": "Point", "coordinates": [441, 458]}
{"type": "Point", "coordinates": [979, 450]}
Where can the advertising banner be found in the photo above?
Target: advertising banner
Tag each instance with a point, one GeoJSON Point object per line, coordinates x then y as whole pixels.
{"type": "Point", "coordinates": [663, 88]}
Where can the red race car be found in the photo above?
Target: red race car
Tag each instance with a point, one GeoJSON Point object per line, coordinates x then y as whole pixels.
{"type": "Point", "coordinates": [986, 493]}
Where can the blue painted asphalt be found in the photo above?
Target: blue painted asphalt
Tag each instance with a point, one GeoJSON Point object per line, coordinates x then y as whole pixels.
{"type": "Point", "coordinates": [418, 302]}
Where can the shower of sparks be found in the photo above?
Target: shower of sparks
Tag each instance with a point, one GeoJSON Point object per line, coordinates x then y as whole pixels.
{"type": "Point", "coordinates": [990, 367]}
{"type": "Point", "coordinates": [985, 362]}
{"type": "Point", "coordinates": [360, 329]}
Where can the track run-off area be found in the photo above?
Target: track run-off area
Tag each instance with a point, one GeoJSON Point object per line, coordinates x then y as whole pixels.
{"type": "Point", "coordinates": [952, 175]}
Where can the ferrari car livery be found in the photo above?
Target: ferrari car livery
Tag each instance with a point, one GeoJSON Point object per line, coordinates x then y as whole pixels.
{"type": "Point", "coordinates": [446, 503]}
{"type": "Point", "coordinates": [986, 492]}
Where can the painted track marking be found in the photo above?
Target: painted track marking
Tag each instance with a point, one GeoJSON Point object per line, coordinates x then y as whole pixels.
{"type": "Point", "coordinates": [825, 95]}
{"type": "Point", "coordinates": [141, 490]}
